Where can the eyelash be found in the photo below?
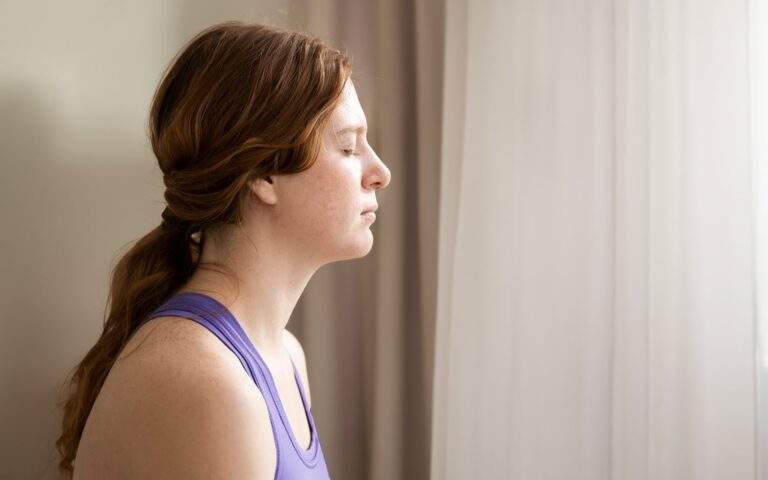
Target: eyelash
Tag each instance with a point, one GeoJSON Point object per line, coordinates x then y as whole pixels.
{"type": "Point", "coordinates": [351, 152]}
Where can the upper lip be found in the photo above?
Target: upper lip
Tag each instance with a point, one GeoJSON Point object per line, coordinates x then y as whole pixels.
{"type": "Point", "coordinates": [370, 209]}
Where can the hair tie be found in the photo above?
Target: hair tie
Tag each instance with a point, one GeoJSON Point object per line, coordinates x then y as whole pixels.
{"type": "Point", "coordinates": [174, 224]}
{"type": "Point", "coordinates": [170, 221]}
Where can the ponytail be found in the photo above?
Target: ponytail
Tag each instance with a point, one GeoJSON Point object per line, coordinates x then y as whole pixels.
{"type": "Point", "coordinates": [239, 101]}
{"type": "Point", "coordinates": [147, 274]}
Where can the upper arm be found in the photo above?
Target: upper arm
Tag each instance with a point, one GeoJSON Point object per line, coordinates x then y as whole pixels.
{"type": "Point", "coordinates": [198, 418]}
{"type": "Point", "coordinates": [297, 353]}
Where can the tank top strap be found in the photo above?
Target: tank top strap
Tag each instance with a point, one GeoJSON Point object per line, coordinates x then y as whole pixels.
{"type": "Point", "coordinates": [293, 461]}
{"type": "Point", "coordinates": [210, 315]}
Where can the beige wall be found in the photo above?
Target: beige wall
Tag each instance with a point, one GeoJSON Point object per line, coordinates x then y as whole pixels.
{"type": "Point", "coordinates": [77, 182]}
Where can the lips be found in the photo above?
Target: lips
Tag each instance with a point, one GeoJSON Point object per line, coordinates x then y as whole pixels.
{"type": "Point", "coordinates": [369, 209]}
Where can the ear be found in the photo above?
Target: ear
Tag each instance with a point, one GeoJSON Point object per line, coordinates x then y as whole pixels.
{"type": "Point", "coordinates": [264, 189]}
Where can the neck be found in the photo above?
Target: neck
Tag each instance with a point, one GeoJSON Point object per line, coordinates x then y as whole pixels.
{"type": "Point", "coordinates": [269, 279]}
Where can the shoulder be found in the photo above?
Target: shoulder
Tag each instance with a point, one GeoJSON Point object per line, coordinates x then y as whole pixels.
{"type": "Point", "coordinates": [297, 354]}
{"type": "Point", "coordinates": [293, 345]}
{"type": "Point", "coordinates": [193, 409]}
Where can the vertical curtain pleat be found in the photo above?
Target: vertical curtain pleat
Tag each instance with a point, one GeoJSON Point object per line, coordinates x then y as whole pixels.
{"type": "Point", "coordinates": [596, 310]}
{"type": "Point", "coordinates": [367, 326]}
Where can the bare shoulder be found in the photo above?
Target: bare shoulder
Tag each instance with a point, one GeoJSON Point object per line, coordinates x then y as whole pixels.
{"type": "Point", "coordinates": [293, 345]}
{"type": "Point", "coordinates": [181, 406]}
{"type": "Point", "coordinates": [297, 354]}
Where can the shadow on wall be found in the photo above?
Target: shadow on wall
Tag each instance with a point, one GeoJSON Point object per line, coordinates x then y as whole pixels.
{"type": "Point", "coordinates": [79, 183]}
{"type": "Point", "coordinates": [66, 213]}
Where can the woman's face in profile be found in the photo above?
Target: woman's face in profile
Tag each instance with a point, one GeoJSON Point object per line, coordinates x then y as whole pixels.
{"type": "Point", "coordinates": [322, 206]}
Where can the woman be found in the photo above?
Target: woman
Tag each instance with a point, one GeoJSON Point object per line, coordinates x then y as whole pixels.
{"type": "Point", "coordinates": [261, 140]}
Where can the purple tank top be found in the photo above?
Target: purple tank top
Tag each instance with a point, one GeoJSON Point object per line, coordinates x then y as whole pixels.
{"type": "Point", "coordinates": [293, 462]}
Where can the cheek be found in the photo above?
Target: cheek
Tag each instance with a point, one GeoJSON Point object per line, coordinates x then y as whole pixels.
{"type": "Point", "coordinates": [337, 188]}
{"type": "Point", "coordinates": [327, 203]}
{"type": "Point", "coordinates": [337, 198]}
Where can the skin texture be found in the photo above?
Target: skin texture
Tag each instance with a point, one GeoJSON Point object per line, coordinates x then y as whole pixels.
{"type": "Point", "coordinates": [177, 403]}
{"type": "Point", "coordinates": [296, 224]}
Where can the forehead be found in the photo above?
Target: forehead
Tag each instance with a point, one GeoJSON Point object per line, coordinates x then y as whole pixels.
{"type": "Point", "coordinates": [348, 114]}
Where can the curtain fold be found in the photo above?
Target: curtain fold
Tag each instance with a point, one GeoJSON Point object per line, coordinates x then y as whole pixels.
{"type": "Point", "coordinates": [597, 292]}
{"type": "Point", "coordinates": [758, 103]}
{"type": "Point", "coordinates": [367, 326]}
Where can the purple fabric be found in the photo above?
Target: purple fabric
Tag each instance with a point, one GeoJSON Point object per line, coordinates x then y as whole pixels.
{"type": "Point", "coordinates": [293, 462]}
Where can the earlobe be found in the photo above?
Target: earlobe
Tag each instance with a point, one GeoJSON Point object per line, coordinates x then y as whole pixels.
{"type": "Point", "coordinates": [264, 189]}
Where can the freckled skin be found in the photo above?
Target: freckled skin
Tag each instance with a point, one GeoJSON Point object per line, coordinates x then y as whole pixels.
{"type": "Point", "coordinates": [293, 225]}
{"type": "Point", "coordinates": [320, 207]}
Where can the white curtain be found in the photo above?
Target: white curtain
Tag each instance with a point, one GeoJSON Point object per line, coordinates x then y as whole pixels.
{"type": "Point", "coordinates": [758, 105]}
{"type": "Point", "coordinates": [603, 204]}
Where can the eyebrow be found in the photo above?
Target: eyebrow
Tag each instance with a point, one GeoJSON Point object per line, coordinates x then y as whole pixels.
{"type": "Point", "coordinates": [353, 128]}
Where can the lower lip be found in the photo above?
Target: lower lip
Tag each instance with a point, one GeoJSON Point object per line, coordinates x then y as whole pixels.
{"type": "Point", "coordinates": [369, 215]}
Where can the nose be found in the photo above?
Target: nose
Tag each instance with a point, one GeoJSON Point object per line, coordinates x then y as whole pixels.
{"type": "Point", "coordinates": [379, 175]}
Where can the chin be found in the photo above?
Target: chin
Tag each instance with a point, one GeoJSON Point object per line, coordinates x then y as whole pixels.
{"type": "Point", "coordinates": [360, 248]}
{"type": "Point", "coordinates": [365, 249]}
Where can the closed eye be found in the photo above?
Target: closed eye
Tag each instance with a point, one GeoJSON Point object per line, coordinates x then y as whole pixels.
{"type": "Point", "coordinates": [348, 151]}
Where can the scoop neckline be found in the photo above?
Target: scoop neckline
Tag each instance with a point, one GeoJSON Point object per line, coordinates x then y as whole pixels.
{"type": "Point", "coordinates": [308, 455]}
